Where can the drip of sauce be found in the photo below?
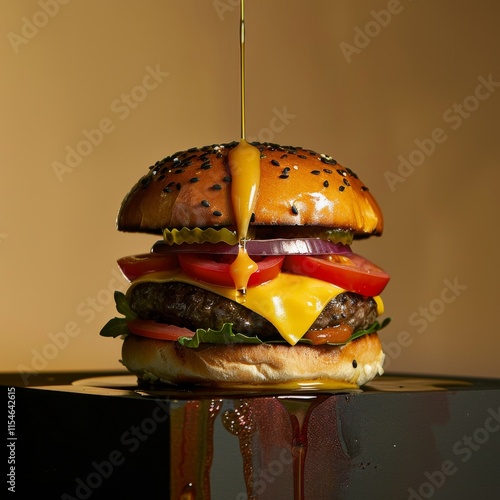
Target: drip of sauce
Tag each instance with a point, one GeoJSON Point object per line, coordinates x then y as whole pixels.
{"type": "Point", "coordinates": [299, 412]}
{"type": "Point", "coordinates": [244, 165]}
{"type": "Point", "coordinates": [192, 428]}
{"type": "Point", "coordinates": [239, 423]}
{"type": "Point", "coordinates": [296, 457]}
{"type": "Point", "coordinates": [188, 492]}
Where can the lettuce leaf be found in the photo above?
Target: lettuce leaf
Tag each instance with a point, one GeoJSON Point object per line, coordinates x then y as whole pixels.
{"type": "Point", "coordinates": [223, 336]}
{"type": "Point", "coordinates": [117, 327]}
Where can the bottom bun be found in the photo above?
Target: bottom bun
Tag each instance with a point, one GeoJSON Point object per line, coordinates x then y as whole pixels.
{"type": "Point", "coordinates": [347, 366]}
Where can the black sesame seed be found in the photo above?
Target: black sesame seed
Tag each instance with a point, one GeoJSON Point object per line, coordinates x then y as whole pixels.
{"type": "Point", "coordinates": [350, 172]}
{"type": "Point", "coordinates": [326, 184]}
{"type": "Point", "coordinates": [205, 203]}
{"type": "Point", "coordinates": [217, 187]}
{"type": "Point", "coordinates": [217, 213]}
{"type": "Point", "coordinates": [167, 190]}
{"type": "Point", "coordinates": [275, 162]}
{"type": "Point", "coordinates": [227, 178]}
{"type": "Point", "coordinates": [284, 176]}
{"type": "Point", "coordinates": [295, 210]}
{"type": "Point", "coordinates": [206, 165]}
{"type": "Point", "coordinates": [179, 171]}
{"type": "Point", "coordinates": [341, 188]}
{"type": "Point", "coordinates": [284, 156]}
{"type": "Point", "coordinates": [327, 171]}
{"type": "Point", "coordinates": [194, 179]}
{"type": "Point", "coordinates": [328, 160]}
{"type": "Point", "coordinates": [315, 172]}
{"type": "Point", "coordinates": [341, 172]}
{"type": "Point", "coordinates": [364, 188]}
{"type": "Point", "coordinates": [346, 182]}
{"type": "Point", "coordinates": [304, 157]}
{"type": "Point", "coordinates": [354, 363]}
{"type": "Point", "coordinates": [145, 181]}
{"type": "Point", "coordinates": [170, 184]}
{"type": "Point", "coordinates": [161, 177]}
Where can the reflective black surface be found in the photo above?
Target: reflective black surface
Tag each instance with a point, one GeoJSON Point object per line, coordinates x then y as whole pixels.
{"type": "Point", "coordinates": [101, 435]}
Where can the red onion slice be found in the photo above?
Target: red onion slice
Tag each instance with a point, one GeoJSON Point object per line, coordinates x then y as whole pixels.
{"type": "Point", "coordinates": [281, 246]}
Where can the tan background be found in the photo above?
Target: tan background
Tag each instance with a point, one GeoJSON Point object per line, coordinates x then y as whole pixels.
{"type": "Point", "coordinates": [314, 80]}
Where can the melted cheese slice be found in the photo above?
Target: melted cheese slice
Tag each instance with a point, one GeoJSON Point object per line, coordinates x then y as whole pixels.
{"type": "Point", "coordinates": [290, 302]}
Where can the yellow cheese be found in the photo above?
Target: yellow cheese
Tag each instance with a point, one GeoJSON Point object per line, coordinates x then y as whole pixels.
{"type": "Point", "coordinates": [290, 302]}
{"type": "Point", "coordinates": [380, 305]}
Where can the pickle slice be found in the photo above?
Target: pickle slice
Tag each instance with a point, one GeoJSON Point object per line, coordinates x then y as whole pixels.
{"type": "Point", "coordinates": [198, 235]}
{"type": "Point", "coordinates": [212, 235]}
{"type": "Point", "coordinates": [339, 236]}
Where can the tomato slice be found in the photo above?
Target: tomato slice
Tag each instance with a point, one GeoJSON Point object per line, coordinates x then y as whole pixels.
{"type": "Point", "coordinates": [351, 272]}
{"type": "Point", "coordinates": [155, 330]}
{"type": "Point", "coordinates": [214, 269]}
{"type": "Point", "coordinates": [134, 266]}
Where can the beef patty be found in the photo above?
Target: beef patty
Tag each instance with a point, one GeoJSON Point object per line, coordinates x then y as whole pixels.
{"type": "Point", "coordinates": [191, 307]}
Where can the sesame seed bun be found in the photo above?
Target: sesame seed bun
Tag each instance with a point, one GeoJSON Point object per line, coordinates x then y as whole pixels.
{"type": "Point", "coordinates": [298, 187]}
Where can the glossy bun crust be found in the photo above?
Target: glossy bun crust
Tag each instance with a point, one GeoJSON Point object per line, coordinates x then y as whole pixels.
{"type": "Point", "coordinates": [347, 366]}
{"type": "Point", "coordinates": [298, 187]}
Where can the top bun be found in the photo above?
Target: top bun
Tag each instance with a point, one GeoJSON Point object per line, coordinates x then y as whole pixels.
{"type": "Point", "coordinates": [298, 187]}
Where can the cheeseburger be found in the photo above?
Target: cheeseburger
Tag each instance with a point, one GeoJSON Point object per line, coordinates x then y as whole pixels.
{"type": "Point", "coordinates": [252, 280]}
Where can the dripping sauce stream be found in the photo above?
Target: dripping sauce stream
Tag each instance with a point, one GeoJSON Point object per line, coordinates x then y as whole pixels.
{"type": "Point", "coordinates": [244, 165]}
